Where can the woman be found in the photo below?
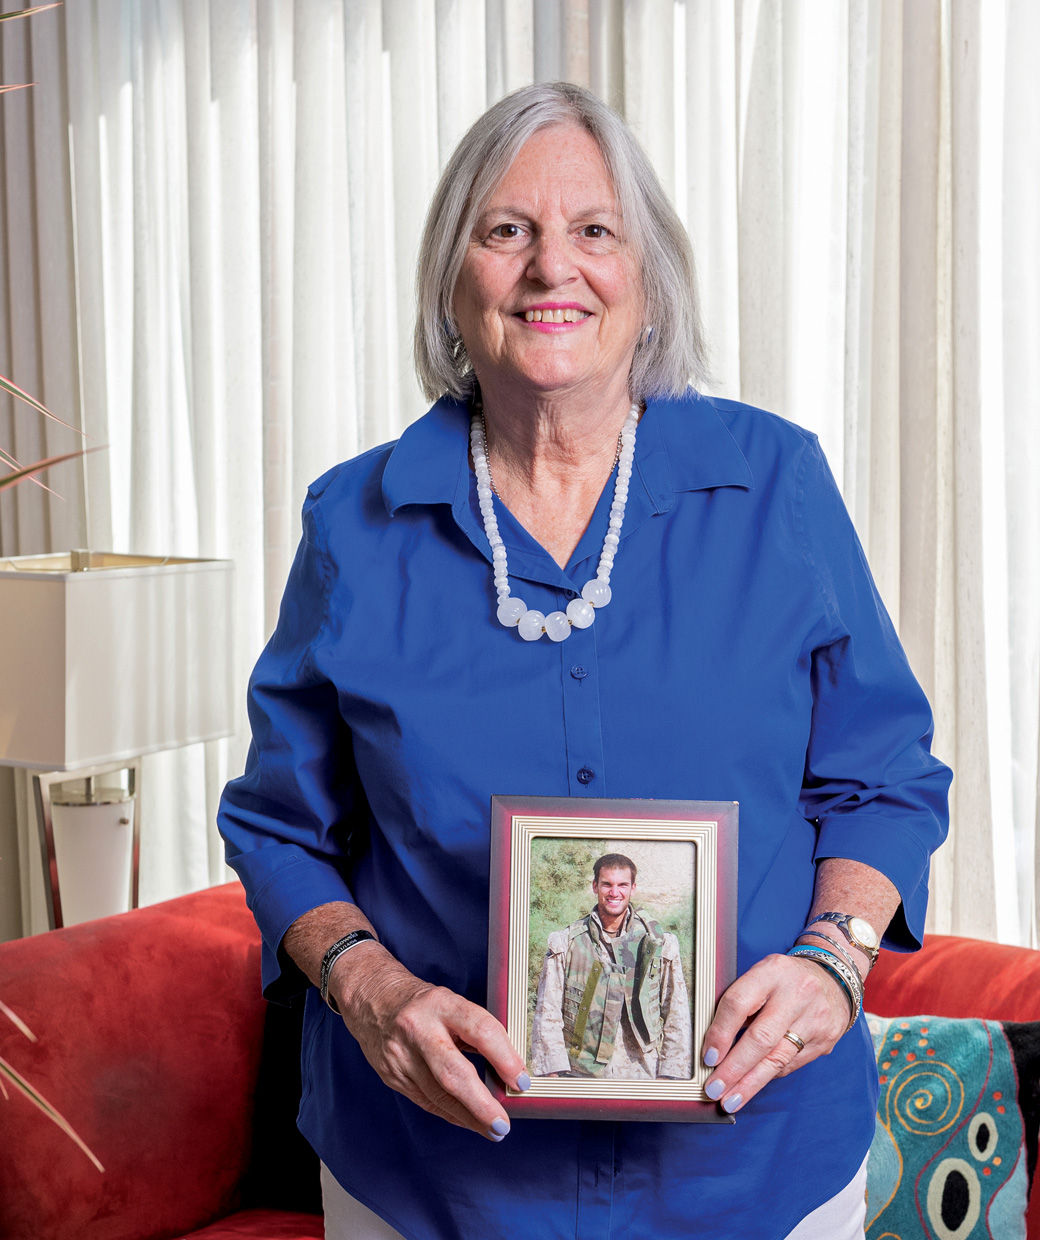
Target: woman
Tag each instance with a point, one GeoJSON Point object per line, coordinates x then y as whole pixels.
{"type": "Point", "coordinates": [695, 620]}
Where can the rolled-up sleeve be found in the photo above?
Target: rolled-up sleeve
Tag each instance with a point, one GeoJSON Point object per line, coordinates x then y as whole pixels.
{"type": "Point", "coordinates": [287, 821]}
{"type": "Point", "coordinates": [871, 784]}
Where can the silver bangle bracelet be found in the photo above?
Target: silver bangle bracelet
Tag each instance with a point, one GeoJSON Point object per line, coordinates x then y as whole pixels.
{"type": "Point", "coordinates": [847, 978]}
{"type": "Point", "coordinates": [333, 954]}
{"type": "Point", "coordinates": [832, 946]}
{"type": "Point", "coordinates": [822, 955]}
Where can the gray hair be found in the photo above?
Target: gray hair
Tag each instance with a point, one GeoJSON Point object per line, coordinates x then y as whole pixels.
{"type": "Point", "coordinates": [671, 355]}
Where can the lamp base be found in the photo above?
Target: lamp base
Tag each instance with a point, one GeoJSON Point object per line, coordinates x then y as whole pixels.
{"type": "Point", "coordinates": [93, 847]}
{"type": "Point", "coordinates": [92, 838]}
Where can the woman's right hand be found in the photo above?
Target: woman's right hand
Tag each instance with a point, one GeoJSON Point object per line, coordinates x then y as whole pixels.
{"type": "Point", "coordinates": [414, 1035]}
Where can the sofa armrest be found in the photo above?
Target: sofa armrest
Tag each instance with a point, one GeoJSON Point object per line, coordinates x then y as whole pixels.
{"type": "Point", "coordinates": [953, 976]}
{"type": "Point", "coordinates": [150, 1028]}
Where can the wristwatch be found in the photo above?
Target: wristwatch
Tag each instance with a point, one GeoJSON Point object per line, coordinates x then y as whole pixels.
{"type": "Point", "coordinates": [860, 933]}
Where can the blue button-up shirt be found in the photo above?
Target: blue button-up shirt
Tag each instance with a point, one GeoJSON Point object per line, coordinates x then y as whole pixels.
{"type": "Point", "coordinates": [745, 655]}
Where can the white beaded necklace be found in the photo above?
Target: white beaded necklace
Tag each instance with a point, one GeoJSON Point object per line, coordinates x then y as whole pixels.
{"type": "Point", "coordinates": [514, 612]}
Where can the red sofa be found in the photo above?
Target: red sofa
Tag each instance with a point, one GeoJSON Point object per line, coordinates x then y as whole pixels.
{"type": "Point", "coordinates": [156, 1045]}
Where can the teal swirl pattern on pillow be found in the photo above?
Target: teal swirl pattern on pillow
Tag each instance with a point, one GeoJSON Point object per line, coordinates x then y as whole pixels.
{"type": "Point", "coordinates": [953, 1153]}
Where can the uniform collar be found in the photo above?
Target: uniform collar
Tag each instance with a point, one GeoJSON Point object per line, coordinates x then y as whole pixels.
{"type": "Point", "coordinates": [682, 445]}
{"type": "Point", "coordinates": [625, 926]}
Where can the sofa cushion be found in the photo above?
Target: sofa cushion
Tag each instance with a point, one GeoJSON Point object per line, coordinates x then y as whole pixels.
{"type": "Point", "coordinates": [956, 1141]}
{"type": "Point", "coordinates": [150, 1028]}
{"type": "Point", "coordinates": [263, 1225]}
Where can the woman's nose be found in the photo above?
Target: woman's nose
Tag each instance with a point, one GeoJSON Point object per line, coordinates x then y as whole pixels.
{"type": "Point", "coordinates": [551, 264]}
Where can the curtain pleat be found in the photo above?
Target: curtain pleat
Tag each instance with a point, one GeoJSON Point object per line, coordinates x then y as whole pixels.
{"type": "Point", "coordinates": [1018, 316]}
{"type": "Point", "coordinates": [872, 329]}
{"type": "Point", "coordinates": [276, 135]}
{"type": "Point", "coordinates": [709, 199]}
{"type": "Point", "coordinates": [209, 219]}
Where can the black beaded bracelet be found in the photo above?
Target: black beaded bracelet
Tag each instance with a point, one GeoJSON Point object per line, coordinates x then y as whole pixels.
{"type": "Point", "coordinates": [333, 954]}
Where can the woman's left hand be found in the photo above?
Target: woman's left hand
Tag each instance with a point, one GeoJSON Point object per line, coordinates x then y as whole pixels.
{"type": "Point", "coordinates": [777, 995]}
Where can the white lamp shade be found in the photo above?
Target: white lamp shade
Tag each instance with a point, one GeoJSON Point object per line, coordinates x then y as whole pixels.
{"type": "Point", "coordinates": [131, 656]}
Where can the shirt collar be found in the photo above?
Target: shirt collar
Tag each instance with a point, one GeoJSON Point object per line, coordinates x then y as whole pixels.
{"type": "Point", "coordinates": [430, 459]}
{"type": "Point", "coordinates": [682, 445]}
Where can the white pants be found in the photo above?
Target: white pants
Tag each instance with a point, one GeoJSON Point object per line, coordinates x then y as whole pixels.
{"type": "Point", "coordinates": [346, 1218]}
{"type": "Point", "coordinates": [841, 1218]}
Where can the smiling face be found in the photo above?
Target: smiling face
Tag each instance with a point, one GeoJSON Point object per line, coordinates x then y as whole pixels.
{"type": "Point", "coordinates": [613, 890]}
{"type": "Point", "coordinates": [549, 294]}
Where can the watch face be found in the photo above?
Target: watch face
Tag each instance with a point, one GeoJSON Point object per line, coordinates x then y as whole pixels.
{"type": "Point", "coordinates": [863, 931]}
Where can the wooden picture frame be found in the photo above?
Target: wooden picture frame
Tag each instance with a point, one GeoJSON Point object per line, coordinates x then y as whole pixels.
{"type": "Point", "coordinates": [541, 858]}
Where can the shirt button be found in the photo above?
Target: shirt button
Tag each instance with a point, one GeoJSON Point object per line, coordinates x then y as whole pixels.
{"type": "Point", "coordinates": [586, 775]}
{"type": "Point", "coordinates": [579, 672]}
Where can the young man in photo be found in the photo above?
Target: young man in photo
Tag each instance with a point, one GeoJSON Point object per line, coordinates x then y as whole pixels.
{"type": "Point", "coordinates": [612, 1000]}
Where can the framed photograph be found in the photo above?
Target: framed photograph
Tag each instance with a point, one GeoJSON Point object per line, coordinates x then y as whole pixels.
{"type": "Point", "coordinates": [612, 936]}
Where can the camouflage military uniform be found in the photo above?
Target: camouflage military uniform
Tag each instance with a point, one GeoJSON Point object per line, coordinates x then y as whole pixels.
{"type": "Point", "coordinates": [614, 1007]}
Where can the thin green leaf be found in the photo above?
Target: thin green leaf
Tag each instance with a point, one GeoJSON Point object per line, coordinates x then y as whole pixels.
{"type": "Point", "coordinates": [8, 459]}
{"type": "Point", "coordinates": [40, 8]}
{"type": "Point", "coordinates": [7, 386]}
{"type": "Point", "coordinates": [7, 480]}
{"type": "Point", "coordinates": [38, 1100]}
{"type": "Point", "coordinates": [17, 1021]}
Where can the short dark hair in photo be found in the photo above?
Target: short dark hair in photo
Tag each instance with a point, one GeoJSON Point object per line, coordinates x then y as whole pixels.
{"type": "Point", "coordinates": [614, 861]}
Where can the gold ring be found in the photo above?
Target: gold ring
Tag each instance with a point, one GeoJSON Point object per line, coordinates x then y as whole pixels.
{"type": "Point", "coordinates": [793, 1037]}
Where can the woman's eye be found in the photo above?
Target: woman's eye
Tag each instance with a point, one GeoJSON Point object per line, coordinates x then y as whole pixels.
{"type": "Point", "coordinates": [506, 232]}
{"type": "Point", "coordinates": [596, 232]}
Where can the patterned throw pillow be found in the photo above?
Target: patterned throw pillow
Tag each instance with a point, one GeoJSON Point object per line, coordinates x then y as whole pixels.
{"type": "Point", "coordinates": [955, 1146]}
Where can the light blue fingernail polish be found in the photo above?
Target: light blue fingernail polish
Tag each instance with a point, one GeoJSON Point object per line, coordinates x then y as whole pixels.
{"type": "Point", "coordinates": [499, 1128]}
{"type": "Point", "coordinates": [714, 1090]}
{"type": "Point", "coordinates": [523, 1081]}
{"type": "Point", "coordinates": [711, 1056]}
{"type": "Point", "coordinates": [732, 1102]}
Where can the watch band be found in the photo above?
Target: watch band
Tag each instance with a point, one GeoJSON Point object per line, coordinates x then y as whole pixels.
{"type": "Point", "coordinates": [861, 935]}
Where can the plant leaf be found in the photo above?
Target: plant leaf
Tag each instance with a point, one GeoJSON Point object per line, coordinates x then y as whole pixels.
{"type": "Point", "coordinates": [38, 1100]}
{"type": "Point", "coordinates": [7, 386]}
{"type": "Point", "coordinates": [39, 8]}
{"type": "Point", "coordinates": [7, 480]}
{"type": "Point", "coordinates": [17, 1021]}
{"type": "Point", "coordinates": [8, 459]}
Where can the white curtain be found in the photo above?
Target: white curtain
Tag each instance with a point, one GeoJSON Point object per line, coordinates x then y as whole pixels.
{"type": "Point", "coordinates": [211, 210]}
